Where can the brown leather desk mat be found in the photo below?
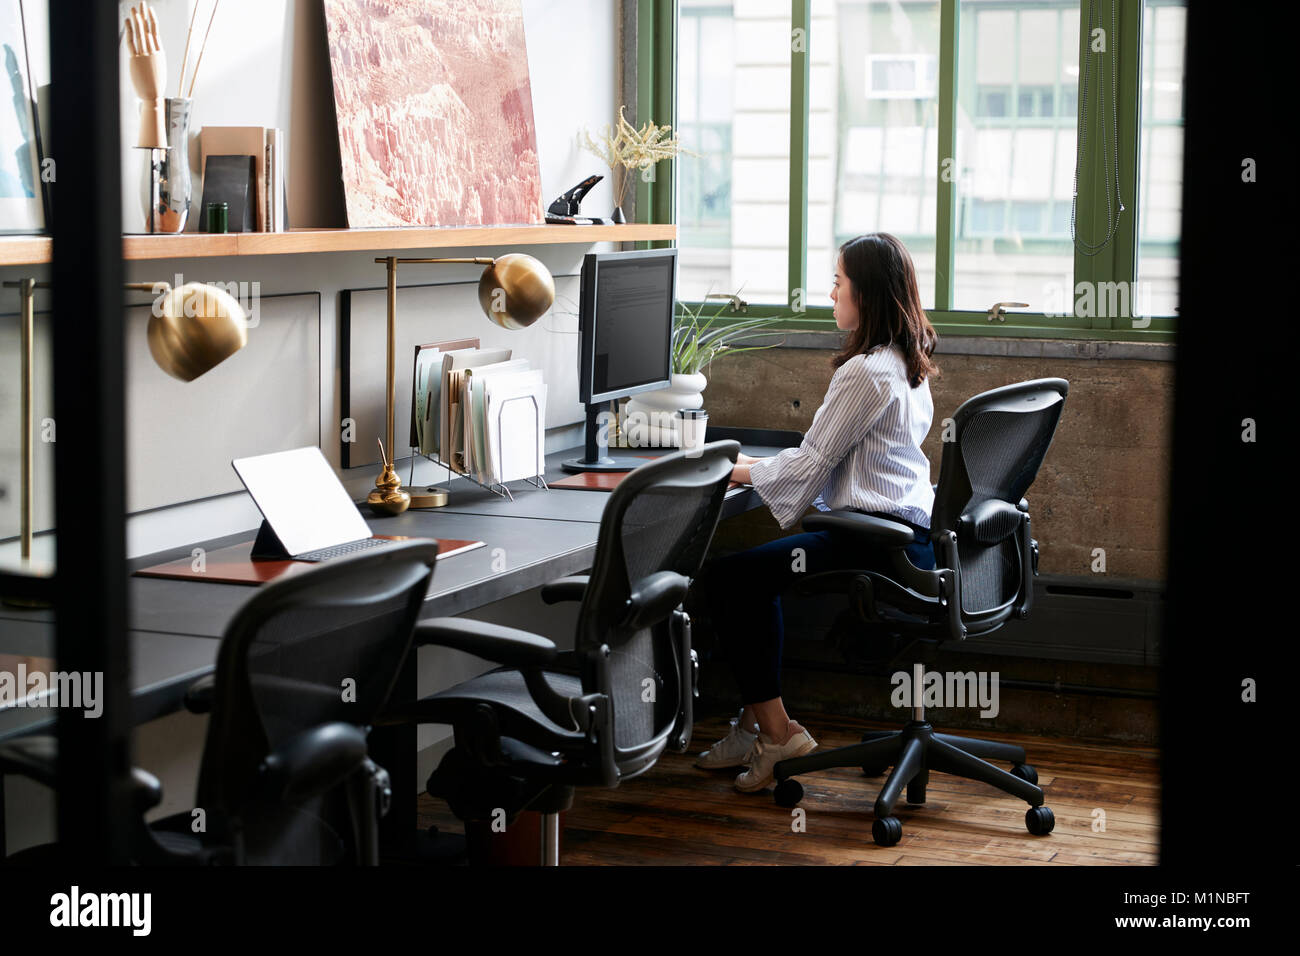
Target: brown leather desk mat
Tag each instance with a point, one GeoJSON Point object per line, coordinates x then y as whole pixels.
{"type": "Point", "coordinates": [601, 481]}
{"type": "Point", "coordinates": [233, 565]}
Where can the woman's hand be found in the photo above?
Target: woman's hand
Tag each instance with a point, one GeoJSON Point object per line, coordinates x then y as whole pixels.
{"type": "Point", "coordinates": [740, 472]}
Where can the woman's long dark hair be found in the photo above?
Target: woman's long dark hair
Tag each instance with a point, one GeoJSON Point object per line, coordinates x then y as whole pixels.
{"type": "Point", "coordinates": [889, 304]}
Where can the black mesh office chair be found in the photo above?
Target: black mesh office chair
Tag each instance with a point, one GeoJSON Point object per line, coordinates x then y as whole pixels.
{"type": "Point", "coordinates": [529, 732]}
{"type": "Point", "coordinates": [986, 561]}
{"type": "Point", "coordinates": [302, 670]}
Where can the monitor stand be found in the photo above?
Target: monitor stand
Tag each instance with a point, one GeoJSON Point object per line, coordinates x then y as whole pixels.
{"type": "Point", "coordinates": [596, 457]}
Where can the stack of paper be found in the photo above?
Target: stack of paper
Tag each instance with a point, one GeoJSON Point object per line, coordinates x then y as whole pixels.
{"type": "Point", "coordinates": [481, 412]}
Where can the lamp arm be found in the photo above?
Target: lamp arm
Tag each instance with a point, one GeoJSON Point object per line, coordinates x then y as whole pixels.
{"type": "Point", "coordinates": [477, 260]}
{"type": "Point", "coordinates": [27, 294]}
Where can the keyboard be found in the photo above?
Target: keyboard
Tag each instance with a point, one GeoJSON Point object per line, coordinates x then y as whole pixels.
{"type": "Point", "coordinates": [338, 550]}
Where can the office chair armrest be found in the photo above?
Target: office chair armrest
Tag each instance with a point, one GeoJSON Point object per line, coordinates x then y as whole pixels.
{"type": "Point", "coordinates": [146, 790]}
{"type": "Point", "coordinates": [198, 696]}
{"type": "Point", "coordinates": [572, 588]}
{"type": "Point", "coordinates": [655, 598]}
{"type": "Point", "coordinates": [993, 520]}
{"type": "Point", "coordinates": [37, 758]}
{"type": "Point", "coordinates": [33, 757]}
{"type": "Point", "coordinates": [313, 761]}
{"type": "Point", "coordinates": [877, 532]}
{"type": "Point", "coordinates": [504, 645]}
{"type": "Point", "coordinates": [688, 682]}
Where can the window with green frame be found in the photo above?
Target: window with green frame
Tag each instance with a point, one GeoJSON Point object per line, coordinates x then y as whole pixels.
{"type": "Point", "coordinates": [1024, 150]}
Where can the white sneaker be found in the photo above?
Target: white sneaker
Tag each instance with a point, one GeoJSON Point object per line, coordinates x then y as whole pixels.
{"type": "Point", "coordinates": [732, 750]}
{"type": "Point", "coordinates": [768, 754]}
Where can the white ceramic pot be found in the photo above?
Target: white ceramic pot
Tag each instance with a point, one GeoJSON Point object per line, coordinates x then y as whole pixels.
{"type": "Point", "coordinates": [651, 417]}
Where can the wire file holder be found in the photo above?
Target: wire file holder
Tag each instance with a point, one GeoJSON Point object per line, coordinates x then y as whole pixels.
{"type": "Point", "coordinates": [496, 487]}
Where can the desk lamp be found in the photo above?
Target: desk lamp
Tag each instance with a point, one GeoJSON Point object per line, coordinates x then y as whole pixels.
{"type": "Point", "coordinates": [191, 330]}
{"type": "Point", "coordinates": [514, 291]}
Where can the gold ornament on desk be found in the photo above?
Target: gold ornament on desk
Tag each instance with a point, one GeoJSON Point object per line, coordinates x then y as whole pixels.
{"type": "Point", "coordinates": [514, 291]}
{"type": "Point", "coordinates": [388, 497]}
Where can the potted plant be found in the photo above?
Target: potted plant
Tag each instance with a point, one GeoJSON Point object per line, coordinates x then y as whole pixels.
{"type": "Point", "coordinates": [698, 340]}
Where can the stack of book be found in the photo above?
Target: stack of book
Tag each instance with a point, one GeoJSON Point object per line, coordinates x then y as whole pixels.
{"type": "Point", "coordinates": [244, 167]}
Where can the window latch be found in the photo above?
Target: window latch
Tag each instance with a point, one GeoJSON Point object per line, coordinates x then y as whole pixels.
{"type": "Point", "coordinates": [737, 303]}
{"type": "Point", "coordinates": [998, 309]}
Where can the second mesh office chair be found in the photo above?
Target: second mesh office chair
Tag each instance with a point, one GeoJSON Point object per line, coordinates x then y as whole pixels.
{"type": "Point", "coordinates": [986, 561]}
{"type": "Point", "coordinates": [530, 731]}
{"type": "Point", "coordinates": [302, 669]}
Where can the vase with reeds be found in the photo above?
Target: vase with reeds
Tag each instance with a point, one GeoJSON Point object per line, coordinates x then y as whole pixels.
{"type": "Point", "coordinates": [628, 150]}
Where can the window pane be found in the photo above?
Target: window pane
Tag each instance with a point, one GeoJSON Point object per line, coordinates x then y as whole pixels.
{"type": "Point", "coordinates": [873, 152]}
{"type": "Point", "coordinates": [1018, 71]}
{"type": "Point", "coordinates": [1160, 188]}
{"type": "Point", "coordinates": [734, 111]}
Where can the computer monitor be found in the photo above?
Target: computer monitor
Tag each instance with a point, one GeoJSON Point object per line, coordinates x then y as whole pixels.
{"type": "Point", "coordinates": [625, 340]}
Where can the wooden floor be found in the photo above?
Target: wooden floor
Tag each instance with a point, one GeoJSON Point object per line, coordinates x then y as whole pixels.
{"type": "Point", "coordinates": [677, 814]}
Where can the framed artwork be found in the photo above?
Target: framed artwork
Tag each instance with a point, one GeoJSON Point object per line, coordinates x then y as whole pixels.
{"type": "Point", "coordinates": [435, 112]}
{"type": "Point", "coordinates": [22, 201]}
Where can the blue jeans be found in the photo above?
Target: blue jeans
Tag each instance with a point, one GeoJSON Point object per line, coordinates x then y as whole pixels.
{"type": "Point", "coordinates": [743, 592]}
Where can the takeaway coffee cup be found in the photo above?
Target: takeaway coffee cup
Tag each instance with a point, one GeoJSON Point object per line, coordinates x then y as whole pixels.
{"type": "Point", "coordinates": [694, 422]}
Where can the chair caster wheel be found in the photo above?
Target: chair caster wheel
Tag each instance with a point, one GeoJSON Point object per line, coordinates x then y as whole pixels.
{"type": "Point", "coordinates": [915, 794]}
{"type": "Point", "coordinates": [788, 793]}
{"type": "Point", "coordinates": [1039, 820]}
{"type": "Point", "coordinates": [1025, 772]}
{"type": "Point", "coordinates": [874, 770]}
{"type": "Point", "coordinates": [886, 831]}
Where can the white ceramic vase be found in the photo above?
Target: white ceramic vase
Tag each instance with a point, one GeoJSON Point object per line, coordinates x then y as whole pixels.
{"type": "Point", "coordinates": [651, 419]}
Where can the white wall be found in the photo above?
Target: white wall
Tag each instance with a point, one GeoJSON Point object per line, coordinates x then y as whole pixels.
{"type": "Point", "coordinates": [247, 78]}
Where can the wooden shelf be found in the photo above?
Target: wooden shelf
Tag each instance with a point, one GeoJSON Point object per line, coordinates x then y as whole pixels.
{"type": "Point", "coordinates": [36, 250]}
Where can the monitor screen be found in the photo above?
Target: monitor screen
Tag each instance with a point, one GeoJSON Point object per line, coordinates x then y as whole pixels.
{"type": "Point", "coordinates": [627, 316]}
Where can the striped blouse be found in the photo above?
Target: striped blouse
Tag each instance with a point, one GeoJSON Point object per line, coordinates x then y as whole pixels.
{"type": "Point", "coordinates": [863, 449]}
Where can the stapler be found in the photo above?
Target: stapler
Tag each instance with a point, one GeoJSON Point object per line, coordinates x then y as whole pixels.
{"type": "Point", "coordinates": [565, 209]}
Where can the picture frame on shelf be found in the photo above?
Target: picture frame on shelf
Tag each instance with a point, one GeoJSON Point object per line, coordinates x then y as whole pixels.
{"type": "Point", "coordinates": [23, 207]}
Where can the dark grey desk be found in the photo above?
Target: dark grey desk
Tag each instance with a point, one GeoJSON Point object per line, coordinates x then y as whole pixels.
{"type": "Point", "coordinates": [162, 666]}
{"type": "Point", "coordinates": [175, 626]}
{"type": "Point", "coordinates": [557, 504]}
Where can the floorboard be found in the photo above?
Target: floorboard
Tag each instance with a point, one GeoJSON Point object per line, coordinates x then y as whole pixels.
{"type": "Point", "coordinates": [1105, 798]}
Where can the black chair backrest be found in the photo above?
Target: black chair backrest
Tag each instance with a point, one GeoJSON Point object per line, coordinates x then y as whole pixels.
{"type": "Point", "coordinates": [661, 517]}
{"type": "Point", "coordinates": [999, 441]}
{"type": "Point", "coordinates": [322, 645]}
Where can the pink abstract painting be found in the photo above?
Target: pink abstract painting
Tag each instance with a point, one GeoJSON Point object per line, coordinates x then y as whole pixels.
{"type": "Point", "coordinates": [435, 112]}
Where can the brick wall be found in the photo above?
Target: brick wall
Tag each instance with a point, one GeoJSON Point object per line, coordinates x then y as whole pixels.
{"type": "Point", "coordinates": [1103, 483]}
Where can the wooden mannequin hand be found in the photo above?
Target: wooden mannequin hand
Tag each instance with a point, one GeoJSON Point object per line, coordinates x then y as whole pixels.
{"type": "Point", "coordinates": [148, 67]}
